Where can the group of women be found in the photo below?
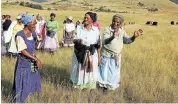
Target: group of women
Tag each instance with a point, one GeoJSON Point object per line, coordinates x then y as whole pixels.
{"type": "Point", "coordinates": [96, 60]}
{"type": "Point", "coordinates": [45, 31]}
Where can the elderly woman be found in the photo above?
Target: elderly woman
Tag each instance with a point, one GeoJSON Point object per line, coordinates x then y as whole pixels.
{"type": "Point", "coordinates": [69, 32]}
{"type": "Point", "coordinates": [27, 76]}
{"type": "Point", "coordinates": [51, 41]}
{"type": "Point", "coordinates": [15, 27]}
{"type": "Point", "coordinates": [113, 39]}
{"type": "Point", "coordinates": [86, 55]}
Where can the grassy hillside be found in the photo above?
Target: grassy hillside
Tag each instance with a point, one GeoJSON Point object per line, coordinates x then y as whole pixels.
{"type": "Point", "coordinates": [149, 66]}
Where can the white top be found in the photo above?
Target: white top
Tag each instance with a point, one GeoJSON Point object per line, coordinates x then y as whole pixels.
{"type": "Point", "coordinates": [69, 27]}
{"type": "Point", "coordinates": [38, 26]}
{"type": "Point", "coordinates": [88, 36]}
{"type": "Point", "coordinates": [21, 43]}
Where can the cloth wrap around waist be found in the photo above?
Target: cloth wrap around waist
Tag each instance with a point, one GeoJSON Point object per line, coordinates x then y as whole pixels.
{"type": "Point", "coordinates": [33, 65]}
{"type": "Point", "coordinates": [84, 55]}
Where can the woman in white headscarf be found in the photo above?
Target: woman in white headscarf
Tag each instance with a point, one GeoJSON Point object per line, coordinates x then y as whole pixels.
{"type": "Point", "coordinates": [69, 32]}
{"type": "Point", "coordinates": [15, 27]}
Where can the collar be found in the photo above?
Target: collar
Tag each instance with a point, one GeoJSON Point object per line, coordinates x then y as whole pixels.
{"type": "Point", "coordinates": [92, 28]}
{"type": "Point", "coordinates": [113, 29]}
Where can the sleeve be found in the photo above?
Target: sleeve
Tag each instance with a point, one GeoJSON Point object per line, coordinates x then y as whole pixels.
{"type": "Point", "coordinates": [106, 35]}
{"type": "Point", "coordinates": [127, 39]}
{"type": "Point", "coordinates": [57, 26]}
{"type": "Point", "coordinates": [20, 44]}
{"type": "Point", "coordinates": [46, 25]}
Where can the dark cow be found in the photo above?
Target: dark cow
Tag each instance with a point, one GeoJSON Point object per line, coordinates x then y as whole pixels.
{"type": "Point", "coordinates": [131, 23]}
{"type": "Point", "coordinates": [172, 22]}
{"type": "Point", "coordinates": [155, 23]}
{"type": "Point", "coordinates": [148, 22]}
{"type": "Point", "coordinates": [177, 23]}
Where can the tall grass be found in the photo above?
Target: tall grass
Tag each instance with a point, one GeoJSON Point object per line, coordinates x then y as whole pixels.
{"type": "Point", "coordinates": [149, 66]}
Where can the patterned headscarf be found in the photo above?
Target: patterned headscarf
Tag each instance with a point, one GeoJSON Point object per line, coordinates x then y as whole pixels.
{"type": "Point", "coordinates": [118, 17]}
{"type": "Point", "coordinates": [26, 18]}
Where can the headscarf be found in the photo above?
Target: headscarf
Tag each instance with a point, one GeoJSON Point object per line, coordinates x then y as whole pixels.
{"type": "Point", "coordinates": [118, 17]}
{"type": "Point", "coordinates": [18, 17]}
{"type": "Point", "coordinates": [92, 15]}
{"type": "Point", "coordinates": [26, 18]}
{"type": "Point", "coordinates": [95, 17]}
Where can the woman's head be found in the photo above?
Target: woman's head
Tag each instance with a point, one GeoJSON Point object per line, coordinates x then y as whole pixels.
{"type": "Point", "coordinates": [29, 22]}
{"type": "Point", "coordinates": [89, 18]}
{"type": "Point", "coordinates": [19, 19]}
{"type": "Point", "coordinates": [38, 17]}
{"type": "Point", "coordinates": [69, 19]}
{"type": "Point", "coordinates": [78, 22]}
{"type": "Point", "coordinates": [8, 17]}
{"type": "Point", "coordinates": [117, 21]}
{"type": "Point", "coordinates": [3, 17]}
{"type": "Point", "coordinates": [52, 16]}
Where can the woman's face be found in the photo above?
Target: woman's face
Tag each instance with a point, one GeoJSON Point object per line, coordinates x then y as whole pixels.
{"type": "Point", "coordinates": [19, 20]}
{"type": "Point", "coordinates": [116, 23]}
{"type": "Point", "coordinates": [78, 23]}
{"type": "Point", "coordinates": [3, 16]}
{"type": "Point", "coordinates": [38, 18]}
{"type": "Point", "coordinates": [87, 20]}
{"type": "Point", "coordinates": [52, 17]}
{"type": "Point", "coordinates": [31, 26]}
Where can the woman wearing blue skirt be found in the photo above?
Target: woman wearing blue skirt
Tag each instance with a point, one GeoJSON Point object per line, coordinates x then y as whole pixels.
{"type": "Point", "coordinates": [27, 76]}
{"type": "Point", "coordinates": [113, 39]}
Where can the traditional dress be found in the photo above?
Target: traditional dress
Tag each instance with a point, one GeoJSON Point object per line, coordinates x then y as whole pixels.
{"type": "Point", "coordinates": [68, 34]}
{"type": "Point", "coordinates": [51, 39]}
{"type": "Point", "coordinates": [109, 72]}
{"type": "Point", "coordinates": [10, 37]}
{"type": "Point", "coordinates": [27, 76]}
{"type": "Point", "coordinates": [39, 36]}
{"type": "Point", "coordinates": [79, 74]}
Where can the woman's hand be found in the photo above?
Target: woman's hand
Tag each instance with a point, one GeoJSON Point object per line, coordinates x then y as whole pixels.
{"type": "Point", "coordinates": [39, 65]}
{"type": "Point", "coordinates": [138, 33]}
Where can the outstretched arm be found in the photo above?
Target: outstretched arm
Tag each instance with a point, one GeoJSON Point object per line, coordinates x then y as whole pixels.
{"type": "Point", "coordinates": [129, 40]}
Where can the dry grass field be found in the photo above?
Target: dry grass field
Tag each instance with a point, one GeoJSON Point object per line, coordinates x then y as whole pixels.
{"type": "Point", "coordinates": [149, 66]}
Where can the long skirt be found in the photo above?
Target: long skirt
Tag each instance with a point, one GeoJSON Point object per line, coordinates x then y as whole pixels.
{"type": "Point", "coordinates": [109, 73]}
{"type": "Point", "coordinates": [68, 38]}
{"type": "Point", "coordinates": [81, 78]}
{"type": "Point", "coordinates": [26, 81]}
{"type": "Point", "coordinates": [51, 44]}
